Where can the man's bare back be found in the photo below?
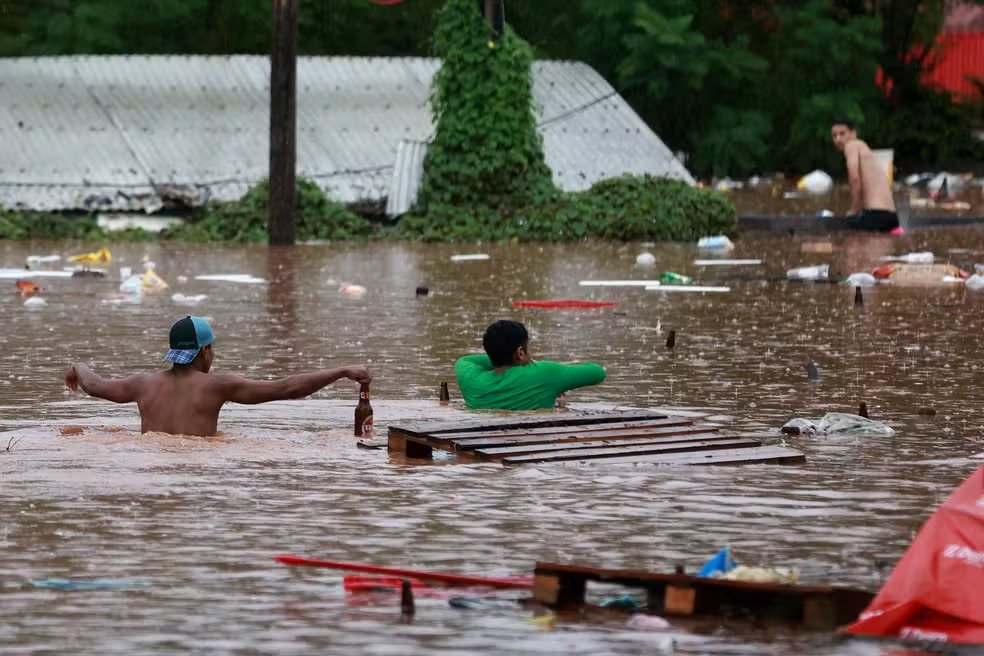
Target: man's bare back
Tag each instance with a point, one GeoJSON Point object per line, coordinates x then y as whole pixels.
{"type": "Point", "coordinates": [871, 177]}
{"type": "Point", "coordinates": [186, 399]}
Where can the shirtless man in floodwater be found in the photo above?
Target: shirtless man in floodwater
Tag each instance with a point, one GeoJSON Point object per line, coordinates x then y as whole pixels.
{"type": "Point", "coordinates": [186, 399]}
{"type": "Point", "coordinates": [872, 206]}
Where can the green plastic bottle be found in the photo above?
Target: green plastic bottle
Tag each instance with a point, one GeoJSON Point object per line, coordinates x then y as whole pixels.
{"type": "Point", "coordinates": [670, 278]}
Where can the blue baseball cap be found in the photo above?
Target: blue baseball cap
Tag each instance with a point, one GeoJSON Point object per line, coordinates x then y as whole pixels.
{"type": "Point", "coordinates": [187, 338]}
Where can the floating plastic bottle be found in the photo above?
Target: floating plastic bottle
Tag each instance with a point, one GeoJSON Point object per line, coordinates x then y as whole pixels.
{"type": "Point", "coordinates": [671, 278]}
{"type": "Point", "coordinates": [924, 257]}
{"type": "Point", "coordinates": [817, 272]}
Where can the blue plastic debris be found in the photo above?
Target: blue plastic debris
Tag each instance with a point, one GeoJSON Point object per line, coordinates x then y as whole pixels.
{"type": "Point", "coordinates": [91, 584]}
{"type": "Point", "coordinates": [720, 564]}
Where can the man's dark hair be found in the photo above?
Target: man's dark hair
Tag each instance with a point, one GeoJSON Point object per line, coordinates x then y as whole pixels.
{"type": "Point", "coordinates": [501, 340]}
{"type": "Point", "coordinates": [840, 120]}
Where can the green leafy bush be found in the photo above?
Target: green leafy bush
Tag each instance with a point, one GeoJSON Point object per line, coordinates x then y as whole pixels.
{"type": "Point", "coordinates": [44, 225]}
{"type": "Point", "coordinates": [627, 208]}
{"type": "Point", "coordinates": [245, 221]}
{"type": "Point", "coordinates": [487, 149]}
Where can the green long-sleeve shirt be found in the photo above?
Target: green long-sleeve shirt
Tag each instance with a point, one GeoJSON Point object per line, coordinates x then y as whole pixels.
{"type": "Point", "coordinates": [529, 387]}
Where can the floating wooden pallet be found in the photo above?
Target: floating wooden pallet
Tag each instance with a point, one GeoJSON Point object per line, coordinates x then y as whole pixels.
{"type": "Point", "coordinates": [814, 606]}
{"type": "Point", "coordinates": [627, 436]}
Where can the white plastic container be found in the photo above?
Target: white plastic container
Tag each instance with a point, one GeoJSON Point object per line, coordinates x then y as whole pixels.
{"type": "Point", "coordinates": [816, 272]}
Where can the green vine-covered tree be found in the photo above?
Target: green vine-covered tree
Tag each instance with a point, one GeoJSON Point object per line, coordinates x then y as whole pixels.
{"type": "Point", "coordinates": [487, 151]}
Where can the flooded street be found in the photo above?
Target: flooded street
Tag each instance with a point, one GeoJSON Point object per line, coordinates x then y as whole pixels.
{"type": "Point", "coordinates": [196, 522]}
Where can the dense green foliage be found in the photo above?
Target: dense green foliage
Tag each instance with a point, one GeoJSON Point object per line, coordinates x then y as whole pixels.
{"type": "Point", "coordinates": [739, 86]}
{"type": "Point", "coordinates": [245, 220]}
{"type": "Point", "coordinates": [628, 208]}
{"type": "Point", "coordinates": [43, 225]}
{"type": "Point", "coordinates": [486, 149]}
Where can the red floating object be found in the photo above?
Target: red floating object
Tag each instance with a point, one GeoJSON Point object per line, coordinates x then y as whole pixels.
{"type": "Point", "coordinates": [514, 583]}
{"type": "Point", "coordinates": [934, 593]}
{"type": "Point", "coordinates": [564, 305]}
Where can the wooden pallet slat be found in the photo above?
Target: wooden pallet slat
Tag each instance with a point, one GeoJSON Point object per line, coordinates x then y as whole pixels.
{"type": "Point", "coordinates": [564, 437]}
{"type": "Point", "coordinates": [436, 427]}
{"type": "Point", "coordinates": [633, 449]}
{"type": "Point", "coordinates": [772, 455]}
{"type": "Point", "coordinates": [574, 428]}
{"type": "Point", "coordinates": [521, 449]}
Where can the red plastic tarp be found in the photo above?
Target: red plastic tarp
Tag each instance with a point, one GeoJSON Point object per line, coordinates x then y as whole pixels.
{"type": "Point", "coordinates": [564, 304]}
{"type": "Point", "coordinates": [936, 592]}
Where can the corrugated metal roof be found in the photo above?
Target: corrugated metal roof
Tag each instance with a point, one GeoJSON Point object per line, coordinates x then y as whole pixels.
{"type": "Point", "coordinates": [407, 173]}
{"type": "Point", "coordinates": [960, 60]}
{"type": "Point", "coordinates": [131, 132]}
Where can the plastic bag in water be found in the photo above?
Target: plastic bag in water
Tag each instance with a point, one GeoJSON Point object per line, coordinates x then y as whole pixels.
{"type": "Point", "coordinates": [841, 423]}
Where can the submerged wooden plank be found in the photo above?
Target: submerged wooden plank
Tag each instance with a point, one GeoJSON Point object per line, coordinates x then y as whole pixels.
{"type": "Point", "coordinates": [516, 420]}
{"type": "Point", "coordinates": [522, 449]}
{"type": "Point", "coordinates": [564, 437]}
{"type": "Point", "coordinates": [774, 455]}
{"type": "Point", "coordinates": [639, 450]}
{"type": "Point", "coordinates": [543, 430]}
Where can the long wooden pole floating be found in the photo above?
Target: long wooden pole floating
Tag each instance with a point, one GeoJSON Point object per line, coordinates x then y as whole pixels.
{"type": "Point", "coordinates": [283, 136]}
{"type": "Point", "coordinates": [523, 583]}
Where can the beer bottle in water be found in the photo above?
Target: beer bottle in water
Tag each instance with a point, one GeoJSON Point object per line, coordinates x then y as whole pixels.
{"type": "Point", "coordinates": [363, 413]}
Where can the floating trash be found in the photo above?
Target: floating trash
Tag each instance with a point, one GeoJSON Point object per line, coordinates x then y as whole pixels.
{"type": "Point", "coordinates": [91, 584]}
{"type": "Point", "coordinates": [816, 182]}
{"type": "Point", "coordinates": [244, 278]}
{"type": "Point", "coordinates": [188, 299]}
{"type": "Point", "coordinates": [35, 302]}
{"type": "Point", "coordinates": [716, 243]}
{"type": "Point", "coordinates": [473, 257]}
{"type": "Point", "coordinates": [688, 288]}
{"type": "Point", "coordinates": [840, 423]}
{"type": "Point", "coordinates": [749, 262]}
{"type": "Point", "coordinates": [102, 256]}
{"type": "Point", "coordinates": [816, 272]}
{"type": "Point", "coordinates": [352, 291]}
{"type": "Point", "coordinates": [645, 259]}
{"type": "Point", "coordinates": [619, 283]}
{"type": "Point", "coordinates": [39, 261]}
{"type": "Point", "coordinates": [924, 257]}
{"type": "Point", "coordinates": [861, 280]}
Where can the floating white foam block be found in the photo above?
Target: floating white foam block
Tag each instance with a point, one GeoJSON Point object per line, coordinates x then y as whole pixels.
{"type": "Point", "coordinates": [686, 288]}
{"type": "Point", "coordinates": [727, 262]}
{"type": "Point", "coordinates": [619, 283]}
{"type": "Point", "coordinates": [470, 257]}
{"type": "Point", "coordinates": [13, 274]}
{"type": "Point", "coordinates": [231, 277]}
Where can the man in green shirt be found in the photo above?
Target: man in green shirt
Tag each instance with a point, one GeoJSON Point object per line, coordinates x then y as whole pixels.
{"type": "Point", "coordinates": [508, 379]}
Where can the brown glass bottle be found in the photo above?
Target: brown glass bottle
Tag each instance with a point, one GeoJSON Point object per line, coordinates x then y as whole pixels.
{"type": "Point", "coordinates": [363, 414]}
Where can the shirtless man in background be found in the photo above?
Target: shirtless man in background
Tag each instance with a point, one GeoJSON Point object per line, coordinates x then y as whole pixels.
{"type": "Point", "coordinates": [872, 206]}
{"type": "Point", "coordinates": [186, 399]}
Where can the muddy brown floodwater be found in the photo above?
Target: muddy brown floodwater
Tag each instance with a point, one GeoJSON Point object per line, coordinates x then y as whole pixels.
{"type": "Point", "coordinates": [197, 522]}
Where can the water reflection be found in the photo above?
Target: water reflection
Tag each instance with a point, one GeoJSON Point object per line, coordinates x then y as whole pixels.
{"type": "Point", "coordinates": [202, 519]}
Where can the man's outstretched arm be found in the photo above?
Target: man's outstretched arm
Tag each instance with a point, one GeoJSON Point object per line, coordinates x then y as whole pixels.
{"type": "Point", "coordinates": [239, 389]}
{"type": "Point", "coordinates": [117, 390]}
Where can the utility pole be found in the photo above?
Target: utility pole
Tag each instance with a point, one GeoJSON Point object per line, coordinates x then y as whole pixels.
{"type": "Point", "coordinates": [495, 13]}
{"type": "Point", "coordinates": [283, 117]}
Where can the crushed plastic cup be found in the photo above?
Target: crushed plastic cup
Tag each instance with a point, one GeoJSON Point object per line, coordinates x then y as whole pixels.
{"type": "Point", "coordinates": [716, 243]}
{"type": "Point", "coordinates": [816, 272]}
